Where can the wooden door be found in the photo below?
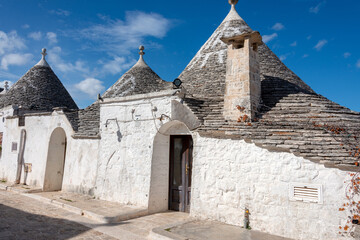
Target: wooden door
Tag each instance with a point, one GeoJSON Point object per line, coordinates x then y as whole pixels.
{"type": "Point", "coordinates": [180, 173]}
{"type": "Point", "coordinates": [54, 170]}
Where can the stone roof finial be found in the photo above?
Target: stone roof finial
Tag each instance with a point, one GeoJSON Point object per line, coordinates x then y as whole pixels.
{"type": "Point", "coordinates": [141, 61]}
{"type": "Point", "coordinates": [141, 48]}
{"type": "Point", "coordinates": [233, 15]}
{"type": "Point", "coordinates": [233, 2]}
{"type": "Point", "coordinates": [43, 53]}
{"type": "Point", "coordinates": [43, 62]}
{"type": "Point", "coordinates": [6, 86]}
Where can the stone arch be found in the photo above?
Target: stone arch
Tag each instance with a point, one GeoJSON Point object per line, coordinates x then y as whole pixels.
{"type": "Point", "coordinates": [54, 170]}
{"type": "Point", "coordinates": [159, 181]}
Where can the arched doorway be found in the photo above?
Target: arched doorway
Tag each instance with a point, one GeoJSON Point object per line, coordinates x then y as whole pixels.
{"type": "Point", "coordinates": [171, 169]}
{"type": "Point", "coordinates": [54, 170]}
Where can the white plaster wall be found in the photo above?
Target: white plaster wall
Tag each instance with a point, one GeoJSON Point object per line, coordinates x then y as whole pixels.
{"type": "Point", "coordinates": [80, 165]}
{"type": "Point", "coordinates": [80, 160]}
{"type": "Point", "coordinates": [229, 175]}
{"type": "Point", "coordinates": [126, 148]}
{"type": "Point", "coordinates": [8, 160]}
{"type": "Point", "coordinates": [5, 112]}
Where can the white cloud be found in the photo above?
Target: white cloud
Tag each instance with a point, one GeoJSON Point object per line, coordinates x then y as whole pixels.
{"type": "Point", "coordinates": [309, 37]}
{"type": "Point", "coordinates": [268, 38]}
{"type": "Point", "coordinates": [25, 26]}
{"type": "Point", "coordinates": [8, 75]}
{"type": "Point", "coordinates": [294, 44]}
{"type": "Point", "coordinates": [347, 55]}
{"type": "Point", "coordinates": [117, 65]}
{"type": "Point", "coordinates": [278, 27]}
{"type": "Point", "coordinates": [305, 55]}
{"type": "Point", "coordinates": [10, 41]}
{"type": "Point", "coordinates": [320, 44]}
{"type": "Point", "coordinates": [52, 37]}
{"type": "Point", "coordinates": [121, 36]}
{"type": "Point", "coordinates": [35, 35]}
{"type": "Point", "coordinates": [283, 57]}
{"type": "Point", "coordinates": [90, 86]}
{"type": "Point", "coordinates": [60, 12]}
{"type": "Point", "coordinates": [54, 57]}
{"type": "Point", "coordinates": [15, 59]}
{"type": "Point", "coordinates": [316, 8]}
{"type": "Point", "coordinates": [358, 64]}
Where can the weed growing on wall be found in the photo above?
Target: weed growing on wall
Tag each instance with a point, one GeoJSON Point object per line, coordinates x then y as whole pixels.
{"type": "Point", "coordinates": [349, 139]}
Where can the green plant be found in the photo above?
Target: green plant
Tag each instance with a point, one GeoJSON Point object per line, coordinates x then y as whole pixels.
{"type": "Point", "coordinates": [349, 139]}
{"type": "Point", "coordinates": [65, 199]}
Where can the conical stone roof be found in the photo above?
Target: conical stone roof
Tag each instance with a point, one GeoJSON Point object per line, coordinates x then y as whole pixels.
{"type": "Point", "coordinates": [205, 74]}
{"type": "Point", "coordinates": [39, 89]}
{"type": "Point", "coordinates": [139, 79]}
{"type": "Point", "coordinates": [292, 117]}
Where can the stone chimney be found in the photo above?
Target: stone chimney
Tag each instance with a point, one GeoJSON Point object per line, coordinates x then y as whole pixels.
{"type": "Point", "coordinates": [243, 86]}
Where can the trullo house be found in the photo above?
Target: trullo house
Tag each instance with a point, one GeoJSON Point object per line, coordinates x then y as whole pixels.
{"type": "Point", "coordinates": [241, 131]}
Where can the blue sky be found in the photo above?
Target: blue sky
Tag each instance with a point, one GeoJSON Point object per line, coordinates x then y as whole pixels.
{"type": "Point", "coordinates": [92, 43]}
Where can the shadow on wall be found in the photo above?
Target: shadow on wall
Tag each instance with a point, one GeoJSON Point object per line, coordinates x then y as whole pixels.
{"type": "Point", "coordinates": [18, 224]}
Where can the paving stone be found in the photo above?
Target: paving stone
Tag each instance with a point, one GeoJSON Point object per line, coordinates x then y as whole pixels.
{"type": "Point", "coordinates": [25, 218]}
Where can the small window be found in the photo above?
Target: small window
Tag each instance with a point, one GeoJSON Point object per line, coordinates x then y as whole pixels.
{"type": "Point", "coordinates": [21, 121]}
{"type": "Point", "coordinates": [306, 192]}
{"type": "Point", "coordinates": [14, 147]}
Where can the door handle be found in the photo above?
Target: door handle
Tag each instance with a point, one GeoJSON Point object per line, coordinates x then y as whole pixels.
{"type": "Point", "coordinates": [186, 169]}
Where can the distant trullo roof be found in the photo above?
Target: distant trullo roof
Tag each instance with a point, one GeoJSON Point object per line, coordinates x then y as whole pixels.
{"type": "Point", "coordinates": [39, 89]}
{"type": "Point", "coordinates": [138, 80]}
{"type": "Point", "coordinates": [205, 74]}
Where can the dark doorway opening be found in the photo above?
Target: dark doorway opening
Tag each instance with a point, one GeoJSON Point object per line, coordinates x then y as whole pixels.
{"type": "Point", "coordinates": [181, 147]}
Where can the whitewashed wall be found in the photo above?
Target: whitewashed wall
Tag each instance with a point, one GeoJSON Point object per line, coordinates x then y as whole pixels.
{"type": "Point", "coordinates": [81, 166]}
{"type": "Point", "coordinates": [38, 131]}
{"type": "Point", "coordinates": [229, 175]}
{"type": "Point", "coordinates": [80, 160]}
{"type": "Point", "coordinates": [8, 160]}
{"type": "Point", "coordinates": [5, 112]}
{"type": "Point", "coordinates": [126, 147]}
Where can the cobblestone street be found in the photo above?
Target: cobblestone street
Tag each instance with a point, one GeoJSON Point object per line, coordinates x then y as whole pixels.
{"type": "Point", "coordinates": [25, 218]}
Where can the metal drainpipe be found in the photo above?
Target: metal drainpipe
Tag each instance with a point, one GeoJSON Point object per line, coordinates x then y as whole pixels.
{"type": "Point", "coordinates": [21, 155]}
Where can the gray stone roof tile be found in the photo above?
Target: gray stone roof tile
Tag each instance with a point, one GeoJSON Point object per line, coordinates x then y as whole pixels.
{"type": "Point", "coordinates": [85, 122]}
